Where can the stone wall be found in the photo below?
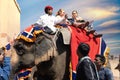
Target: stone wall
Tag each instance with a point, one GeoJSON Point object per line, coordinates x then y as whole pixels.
{"type": "Point", "coordinates": [9, 20]}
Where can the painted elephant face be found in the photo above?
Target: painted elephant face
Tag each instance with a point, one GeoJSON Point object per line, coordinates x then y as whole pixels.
{"type": "Point", "coordinates": [26, 52]}
{"type": "Point", "coordinates": [48, 57]}
{"type": "Point", "coordinates": [35, 52]}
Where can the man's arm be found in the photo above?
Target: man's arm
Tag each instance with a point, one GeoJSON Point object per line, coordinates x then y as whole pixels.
{"type": "Point", "coordinates": [39, 22]}
{"type": "Point", "coordinates": [42, 20]}
{"type": "Point", "coordinates": [5, 70]}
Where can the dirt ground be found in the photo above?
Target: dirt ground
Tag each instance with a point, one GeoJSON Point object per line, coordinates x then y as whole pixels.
{"type": "Point", "coordinates": [113, 64]}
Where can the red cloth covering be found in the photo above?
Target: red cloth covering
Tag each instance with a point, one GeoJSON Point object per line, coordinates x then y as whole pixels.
{"type": "Point", "coordinates": [79, 35]}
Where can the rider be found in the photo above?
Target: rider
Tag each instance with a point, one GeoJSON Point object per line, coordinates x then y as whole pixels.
{"type": "Point", "coordinates": [61, 15]}
{"type": "Point", "coordinates": [48, 21]}
{"type": "Point", "coordinates": [79, 22]}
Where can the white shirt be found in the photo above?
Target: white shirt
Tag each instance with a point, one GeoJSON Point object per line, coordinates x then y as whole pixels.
{"type": "Point", "coordinates": [62, 20]}
{"type": "Point", "coordinates": [49, 20]}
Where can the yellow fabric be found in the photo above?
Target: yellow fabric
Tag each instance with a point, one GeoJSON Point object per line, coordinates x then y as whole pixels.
{"type": "Point", "coordinates": [106, 54]}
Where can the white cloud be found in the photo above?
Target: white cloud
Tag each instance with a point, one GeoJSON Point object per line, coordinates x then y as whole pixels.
{"type": "Point", "coordinates": [113, 44]}
{"type": "Point", "coordinates": [109, 31]}
{"type": "Point", "coordinates": [113, 41]}
{"type": "Point", "coordinates": [115, 47]}
{"type": "Point", "coordinates": [113, 8]}
{"type": "Point", "coordinates": [107, 23]}
{"type": "Point", "coordinates": [98, 13]}
{"type": "Point", "coordinates": [94, 11]}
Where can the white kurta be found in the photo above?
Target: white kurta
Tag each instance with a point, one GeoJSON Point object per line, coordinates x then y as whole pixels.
{"type": "Point", "coordinates": [48, 20]}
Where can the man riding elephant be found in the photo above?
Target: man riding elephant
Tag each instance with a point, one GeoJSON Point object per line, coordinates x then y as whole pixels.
{"type": "Point", "coordinates": [48, 21]}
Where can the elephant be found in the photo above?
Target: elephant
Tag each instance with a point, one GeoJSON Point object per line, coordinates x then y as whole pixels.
{"type": "Point", "coordinates": [48, 58]}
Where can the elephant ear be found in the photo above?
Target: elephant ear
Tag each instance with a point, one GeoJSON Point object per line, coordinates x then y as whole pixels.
{"type": "Point", "coordinates": [45, 48]}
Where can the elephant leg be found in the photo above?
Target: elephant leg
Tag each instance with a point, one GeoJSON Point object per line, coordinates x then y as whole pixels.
{"type": "Point", "coordinates": [62, 67]}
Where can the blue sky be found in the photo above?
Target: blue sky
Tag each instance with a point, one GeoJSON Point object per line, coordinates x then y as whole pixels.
{"type": "Point", "coordinates": [105, 13]}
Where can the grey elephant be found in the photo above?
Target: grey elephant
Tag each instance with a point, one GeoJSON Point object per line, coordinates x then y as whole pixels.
{"type": "Point", "coordinates": [48, 59]}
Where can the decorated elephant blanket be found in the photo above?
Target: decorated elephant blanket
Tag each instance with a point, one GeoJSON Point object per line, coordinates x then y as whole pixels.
{"type": "Point", "coordinates": [97, 46]}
